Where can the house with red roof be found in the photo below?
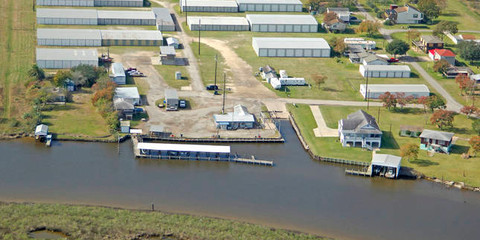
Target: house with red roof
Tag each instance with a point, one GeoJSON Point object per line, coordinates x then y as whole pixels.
{"type": "Point", "coordinates": [439, 54]}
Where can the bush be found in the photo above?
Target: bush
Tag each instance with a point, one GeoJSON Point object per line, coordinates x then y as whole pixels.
{"type": "Point", "coordinates": [380, 14]}
{"type": "Point", "coordinates": [388, 22]}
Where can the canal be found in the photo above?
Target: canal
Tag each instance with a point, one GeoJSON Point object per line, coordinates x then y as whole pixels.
{"type": "Point", "coordinates": [298, 193]}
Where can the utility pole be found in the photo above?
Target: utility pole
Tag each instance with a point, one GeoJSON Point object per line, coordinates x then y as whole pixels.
{"type": "Point", "coordinates": [366, 86]}
{"type": "Point", "coordinates": [224, 93]}
{"type": "Point", "coordinates": [185, 9]}
{"type": "Point", "coordinates": [199, 27]}
{"type": "Point", "coordinates": [216, 60]}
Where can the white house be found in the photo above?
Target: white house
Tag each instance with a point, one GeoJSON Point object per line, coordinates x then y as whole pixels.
{"type": "Point", "coordinates": [239, 118]}
{"type": "Point", "coordinates": [404, 15]}
{"type": "Point", "coordinates": [129, 94]}
{"type": "Point", "coordinates": [342, 13]}
{"type": "Point", "coordinates": [439, 54]}
{"type": "Point", "coordinates": [385, 71]}
{"type": "Point", "coordinates": [359, 129]}
{"type": "Point", "coordinates": [375, 90]}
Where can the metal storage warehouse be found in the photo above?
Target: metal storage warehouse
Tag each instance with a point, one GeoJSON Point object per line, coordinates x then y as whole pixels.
{"type": "Point", "coordinates": [69, 37]}
{"type": "Point", "coordinates": [385, 71]}
{"type": "Point", "coordinates": [218, 23]}
{"type": "Point", "coordinates": [164, 19]}
{"type": "Point", "coordinates": [282, 23]}
{"type": "Point", "coordinates": [91, 3]}
{"type": "Point", "coordinates": [126, 18]}
{"type": "Point", "coordinates": [118, 74]}
{"type": "Point", "coordinates": [208, 6]}
{"type": "Point", "coordinates": [269, 5]}
{"type": "Point", "coordinates": [118, 3]}
{"type": "Point", "coordinates": [291, 47]}
{"type": "Point", "coordinates": [65, 58]}
{"type": "Point", "coordinates": [131, 38]}
{"type": "Point", "coordinates": [67, 16]}
{"type": "Point", "coordinates": [414, 90]}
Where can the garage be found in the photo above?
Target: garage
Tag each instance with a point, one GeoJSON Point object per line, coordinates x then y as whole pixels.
{"type": "Point", "coordinates": [282, 23]}
{"type": "Point", "coordinates": [126, 18]}
{"type": "Point", "coordinates": [58, 58]}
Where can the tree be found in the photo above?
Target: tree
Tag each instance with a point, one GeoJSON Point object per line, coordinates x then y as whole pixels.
{"type": "Point", "coordinates": [402, 99]}
{"type": "Point", "coordinates": [469, 50]}
{"type": "Point", "coordinates": [445, 26]}
{"type": "Point", "coordinates": [409, 151]}
{"type": "Point", "coordinates": [475, 144]}
{"type": "Point", "coordinates": [442, 4]}
{"type": "Point", "coordinates": [469, 110]}
{"type": "Point", "coordinates": [442, 118]}
{"type": "Point", "coordinates": [313, 5]}
{"type": "Point", "coordinates": [397, 47]}
{"type": "Point", "coordinates": [340, 46]}
{"type": "Point", "coordinates": [368, 27]}
{"type": "Point", "coordinates": [388, 100]}
{"type": "Point", "coordinates": [319, 79]}
{"type": "Point", "coordinates": [61, 76]}
{"type": "Point", "coordinates": [441, 66]}
{"type": "Point", "coordinates": [36, 72]}
{"type": "Point", "coordinates": [476, 126]}
{"type": "Point", "coordinates": [434, 102]}
{"type": "Point", "coordinates": [423, 100]}
{"type": "Point", "coordinates": [429, 8]}
{"type": "Point", "coordinates": [89, 74]}
{"type": "Point", "coordinates": [464, 83]}
{"type": "Point", "coordinates": [412, 34]}
{"type": "Point", "coordinates": [329, 17]}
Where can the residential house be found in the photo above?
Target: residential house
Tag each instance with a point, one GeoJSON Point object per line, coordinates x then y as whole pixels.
{"type": "Point", "coordinates": [437, 141]}
{"type": "Point", "coordinates": [358, 57]}
{"type": "Point", "coordinates": [168, 55]}
{"type": "Point", "coordinates": [268, 73]}
{"type": "Point", "coordinates": [439, 54]}
{"type": "Point", "coordinates": [373, 59]}
{"type": "Point", "coordinates": [342, 13]}
{"type": "Point", "coordinates": [239, 118]}
{"type": "Point", "coordinates": [124, 108]}
{"type": "Point", "coordinates": [404, 15]}
{"type": "Point", "coordinates": [428, 42]}
{"type": "Point", "coordinates": [453, 71]}
{"type": "Point", "coordinates": [335, 25]}
{"type": "Point", "coordinates": [129, 94]}
{"type": "Point", "coordinates": [360, 129]}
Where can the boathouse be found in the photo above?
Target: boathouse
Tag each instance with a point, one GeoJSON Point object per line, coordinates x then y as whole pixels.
{"type": "Point", "coordinates": [386, 165]}
{"type": "Point", "coordinates": [41, 131]}
{"type": "Point", "coordinates": [165, 150]}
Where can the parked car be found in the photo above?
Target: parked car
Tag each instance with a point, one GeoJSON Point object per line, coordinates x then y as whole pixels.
{"type": "Point", "coordinates": [131, 69]}
{"type": "Point", "coordinates": [392, 60]}
{"type": "Point", "coordinates": [182, 104]}
{"type": "Point", "coordinates": [138, 110]}
{"type": "Point", "coordinates": [212, 87]}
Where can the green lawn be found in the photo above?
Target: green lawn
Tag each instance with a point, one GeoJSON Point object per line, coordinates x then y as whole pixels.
{"type": "Point", "coordinates": [449, 167]}
{"type": "Point", "coordinates": [83, 222]}
{"type": "Point", "coordinates": [206, 61]}
{"type": "Point", "coordinates": [168, 74]}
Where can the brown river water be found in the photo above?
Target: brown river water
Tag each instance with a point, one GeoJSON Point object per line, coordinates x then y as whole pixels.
{"type": "Point", "coordinates": [298, 193]}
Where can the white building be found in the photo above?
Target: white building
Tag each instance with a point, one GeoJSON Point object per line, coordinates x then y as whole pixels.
{"type": "Point", "coordinates": [118, 74]}
{"type": "Point", "coordinates": [373, 59]}
{"type": "Point", "coordinates": [342, 13]}
{"type": "Point", "coordinates": [129, 94]}
{"type": "Point", "coordinates": [69, 37]}
{"type": "Point", "coordinates": [171, 99]}
{"type": "Point", "coordinates": [208, 6]}
{"type": "Point", "coordinates": [290, 47]}
{"type": "Point", "coordinates": [171, 41]}
{"type": "Point", "coordinates": [386, 164]}
{"type": "Point", "coordinates": [131, 38]}
{"type": "Point", "coordinates": [126, 18]}
{"type": "Point", "coordinates": [218, 23]}
{"type": "Point", "coordinates": [278, 83]}
{"type": "Point", "coordinates": [57, 58]}
{"type": "Point", "coordinates": [118, 3]}
{"type": "Point", "coordinates": [375, 90]}
{"type": "Point", "coordinates": [282, 23]}
{"type": "Point", "coordinates": [53, 16]}
{"type": "Point", "coordinates": [405, 15]}
{"type": "Point", "coordinates": [385, 71]}
{"type": "Point", "coordinates": [365, 44]}
{"type": "Point", "coordinates": [269, 5]}
{"type": "Point", "coordinates": [239, 118]}
{"type": "Point", "coordinates": [91, 3]}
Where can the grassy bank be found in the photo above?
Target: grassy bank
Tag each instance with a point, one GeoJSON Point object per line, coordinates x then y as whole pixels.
{"type": "Point", "coordinates": [452, 167]}
{"type": "Point", "coordinates": [82, 222]}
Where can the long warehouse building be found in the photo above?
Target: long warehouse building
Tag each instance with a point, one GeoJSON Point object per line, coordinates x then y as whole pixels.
{"type": "Point", "coordinates": [375, 90]}
{"type": "Point", "coordinates": [269, 5]}
{"type": "Point", "coordinates": [290, 47]}
{"type": "Point", "coordinates": [282, 23]}
{"type": "Point", "coordinates": [91, 3]}
{"type": "Point", "coordinates": [208, 6]}
{"type": "Point", "coordinates": [218, 24]}
{"type": "Point", "coordinates": [58, 58]}
{"type": "Point", "coordinates": [385, 71]}
{"type": "Point", "coordinates": [52, 16]}
{"type": "Point", "coordinates": [97, 37]}
{"type": "Point", "coordinates": [164, 19]}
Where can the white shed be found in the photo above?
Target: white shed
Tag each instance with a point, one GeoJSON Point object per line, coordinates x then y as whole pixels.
{"type": "Point", "coordinates": [290, 47]}
{"type": "Point", "coordinates": [208, 6]}
{"type": "Point", "coordinates": [118, 74]}
{"type": "Point", "coordinates": [58, 58]}
{"type": "Point", "coordinates": [69, 37]}
{"type": "Point", "coordinates": [385, 71]}
{"type": "Point", "coordinates": [126, 18]}
{"type": "Point", "coordinates": [171, 41]}
{"type": "Point", "coordinates": [131, 38]}
{"type": "Point", "coordinates": [282, 23]}
{"type": "Point", "coordinates": [129, 94]}
{"type": "Point", "coordinates": [62, 16]}
{"type": "Point", "coordinates": [375, 90]}
{"type": "Point", "coordinates": [218, 23]}
{"type": "Point", "coordinates": [269, 5]}
{"type": "Point", "coordinates": [41, 130]}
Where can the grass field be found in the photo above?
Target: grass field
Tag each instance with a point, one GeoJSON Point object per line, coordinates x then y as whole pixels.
{"type": "Point", "coordinates": [206, 61]}
{"type": "Point", "coordinates": [168, 74]}
{"type": "Point", "coordinates": [451, 167]}
{"type": "Point", "coordinates": [81, 222]}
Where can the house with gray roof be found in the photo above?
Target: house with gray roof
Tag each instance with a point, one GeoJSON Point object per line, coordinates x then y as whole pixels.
{"type": "Point", "coordinates": [372, 59]}
{"type": "Point", "coordinates": [437, 141]}
{"type": "Point", "coordinates": [360, 129]}
{"type": "Point", "coordinates": [124, 108]}
{"type": "Point", "coordinates": [118, 74]}
{"type": "Point", "coordinates": [239, 118]}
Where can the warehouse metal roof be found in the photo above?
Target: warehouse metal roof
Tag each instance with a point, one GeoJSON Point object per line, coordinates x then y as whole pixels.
{"type": "Point", "coordinates": [55, 33]}
{"type": "Point", "coordinates": [386, 160]}
{"type": "Point", "coordinates": [163, 15]}
{"type": "Point", "coordinates": [281, 19]}
{"type": "Point", "coordinates": [118, 70]}
{"type": "Point", "coordinates": [131, 35]}
{"type": "Point", "coordinates": [218, 20]}
{"type": "Point", "coordinates": [210, 3]}
{"type": "Point", "coordinates": [269, 1]}
{"type": "Point", "coordinates": [66, 13]}
{"type": "Point", "coordinates": [183, 147]}
{"type": "Point", "coordinates": [396, 87]}
{"type": "Point", "coordinates": [126, 14]}
{"type": "Point", "coordinates": [126, 92]}
{"type": "Point", "coordinates": [291, 43]}
{"type": "Point", "coordinates": [66, 54]}
{"type": "Point", "coordinates": [386, 67]}
{"type": "Point", "coordinates": [167, 50]}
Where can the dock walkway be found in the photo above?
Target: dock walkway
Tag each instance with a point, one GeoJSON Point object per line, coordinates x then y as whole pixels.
{"type": "Point", "coordinates": [214, 140]}
{"type": "Point", "coordinates": [365, 172]}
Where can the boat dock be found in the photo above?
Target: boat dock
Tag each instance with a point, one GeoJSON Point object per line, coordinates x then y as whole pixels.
{"type": "Point", "coordinates": [213, 140]}
{"type": "Point", "coordinates": [364, 172]}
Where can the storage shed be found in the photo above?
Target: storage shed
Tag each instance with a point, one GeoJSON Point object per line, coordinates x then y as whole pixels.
{"type": "Point", "coordinates": [414, 90]}
{"type": "Point", "coordinates": [290, 47]}
{"type": "Point", "coordinates": [208, 6]}
{"type": "Point", "coordinates": [385, 71]}
{"type": "Point", "coordinates": [131, 38]}
{"type": "Point", "coordinates": [126, 18]}
{"type": "Point", "coordinates": [282, 23]}
{"type": "Point", "coordinates": [118, 74]}
{"type": "Point", "coordinates": [269, 5]}
{"type": "Point", "coordinates": [69, 37]}
{"type": "Point", "coordinates": [65, 58]}
{"type": "Point", "coordinates": [164, 19]}
{"type": "Point", "coordinates": [167, 55]}
{"type": "Point", "coordinates": [218, 23]}
{"type": "Point", "coordinates": [129, 94]}
{"type": "Point", "coordinates": [53, 16]}
{"type": "Point", "coordinates": [171, 99]}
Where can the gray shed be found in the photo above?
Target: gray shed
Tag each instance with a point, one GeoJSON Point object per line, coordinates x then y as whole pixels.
{"type": "Point", "coordinates": [118, 74]}
{"type": "Point", "coordinates": [64, 16]}
{"type": "Point", "coordinates": [164, 19]}
{"type": "Point", "coordinates": [171, 99]}
{"type": "Point", "coordinates": [290, 47]}
{"type": "Point", "coordinates": [208, 6]}
{"type": "Point", "coordinates": [126, 18]}
{"type": "Point", "coordinates": [218, 23]}
{"type": "Point", "coordinates": [282, 23]}
{"type": "Point", "coordinates": [57, 58]}
{"type": "Point", "coordinates": [269, 5]}
{"type": "Point", "coordinates": [69, 37]}
{"type": "Point", "coordinates": [131, 38]}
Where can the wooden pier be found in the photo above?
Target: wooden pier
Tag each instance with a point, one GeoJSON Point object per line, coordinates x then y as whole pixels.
{"type": "Point", "coordinates": [213, 140]}
{"type": "Point", "coordinates": [365, 172]}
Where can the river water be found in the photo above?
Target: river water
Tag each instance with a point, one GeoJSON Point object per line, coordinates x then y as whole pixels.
{"type": "Point", "coordinates": [298, 193]}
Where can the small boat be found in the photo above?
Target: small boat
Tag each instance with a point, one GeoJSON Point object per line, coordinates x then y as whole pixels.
{"type": "Point", "coordinates": [48, 141]}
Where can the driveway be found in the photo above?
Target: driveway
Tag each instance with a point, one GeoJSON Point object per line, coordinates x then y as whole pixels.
{"type": "Point", "coordinates": [322, 130]}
